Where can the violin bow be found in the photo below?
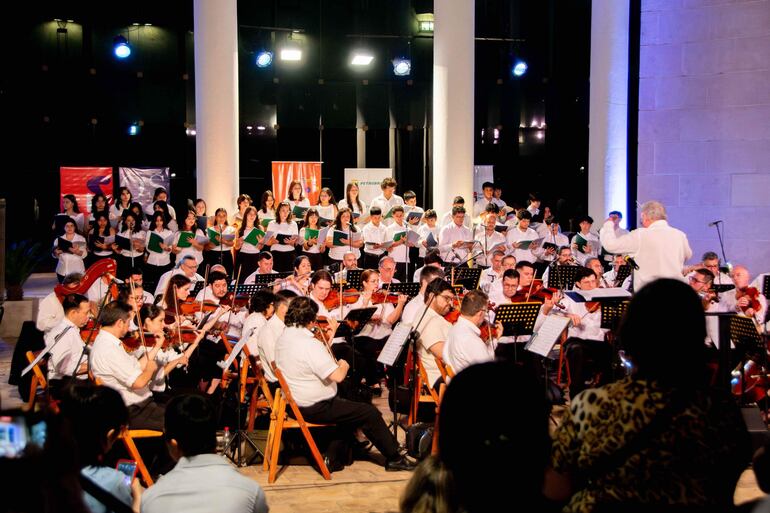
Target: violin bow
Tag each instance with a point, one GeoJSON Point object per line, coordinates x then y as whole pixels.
{"type": "Point", "coordinates": [531, 284]}
{"type": "Point", "coordinates": [139, 321]}
{"type": "Point", "coordinates": [176, 315]}
{"type": "Point", "coordinates": [205, 284]}
{"type": "Point", "coordinates": [232, 306]}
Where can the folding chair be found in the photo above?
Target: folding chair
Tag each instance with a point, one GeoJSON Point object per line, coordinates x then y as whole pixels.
{"type": "Point", "coordinates": [434, 445]}
{"type": "Point", "coordinates": [279, 421]}
{"type": "Point", "coordinates": [128, 436]}
{"type": "Point", "coordinates": [423, 393]}
{"type": "Point", "coordinates": [38, 382]}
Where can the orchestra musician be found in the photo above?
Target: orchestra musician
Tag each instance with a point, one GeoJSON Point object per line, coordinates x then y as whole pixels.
{"type": "Point", "coordinates": [65, 344]}
{"type": "Point", "coordinates": [268, 335]}
{"type": "Point", "coordinates": [417, 303]}
{"type": "Point", "coordinates": [464, 345]}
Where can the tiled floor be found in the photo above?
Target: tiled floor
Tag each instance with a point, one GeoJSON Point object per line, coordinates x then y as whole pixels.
{"type": "Point", "coordinates": [362, 487]}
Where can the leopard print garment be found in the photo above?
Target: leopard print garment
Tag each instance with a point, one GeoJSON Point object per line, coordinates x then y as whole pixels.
{"type": "Point", "coordinates": [695, 462]}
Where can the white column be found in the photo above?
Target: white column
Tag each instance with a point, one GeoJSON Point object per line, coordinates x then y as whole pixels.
{"type": "Point", "coordinates": [608, 117]}
{"type": "Point", "coordinates": [453, 65]}
{"type": "Point", "coordinates": [216, 101]}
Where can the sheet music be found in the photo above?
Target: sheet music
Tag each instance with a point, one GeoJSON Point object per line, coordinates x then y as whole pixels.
{"type": "Point", "coordinates": [395, 343]}
{"type": "Point", "coordinates": [615, 292]}
{"type": "Point", "coordinates": [412, 237]}
{"type": "Point", "coordinates": [545, 338]}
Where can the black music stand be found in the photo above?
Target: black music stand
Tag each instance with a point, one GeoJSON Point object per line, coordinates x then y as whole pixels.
{"type": "Point", "coordinates": [353, 279]}
{"type": "Point", "coordinates": [562, 277]}
{"type": "Point", "coordinates": [197, 288]}
{"type": "Point", "coordinates": [719, 288]}
{"type": "Point", "coordinates": [746, 339]}
{"type": "Point", "coordinates": [468, 277]}
{"type": "Point", "coordinates": [246, 289]}
{"type": "Point", "coordinates": [410, 289]}
{"type": "Point", "coordinates": [518, 320]}
{"type": "Point", "coordinates": [354, 322]}
{"type": "Point", "coordinates": [624, 271]}
{"type": "Point", "coordinates": [613, 311]}
{"type": "Point", "coordinates": [266, 279]}
{"type": "Point", "coordinates": [766, 286]}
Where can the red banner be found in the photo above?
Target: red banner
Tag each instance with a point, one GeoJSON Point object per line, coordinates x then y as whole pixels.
{"type": "Point", "coordinates": [308, 174]}
{"type": "Point", "coordinates": [84, 183]}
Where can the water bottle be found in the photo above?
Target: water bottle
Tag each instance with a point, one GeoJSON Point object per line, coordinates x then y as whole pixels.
{"type": "Point", "coordinates": [225, 440]}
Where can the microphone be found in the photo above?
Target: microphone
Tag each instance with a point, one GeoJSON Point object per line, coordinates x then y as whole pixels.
{"type": "Point", "coordinates": [715, 223]}
{"type": "Point", "coordinates": [630, 261]}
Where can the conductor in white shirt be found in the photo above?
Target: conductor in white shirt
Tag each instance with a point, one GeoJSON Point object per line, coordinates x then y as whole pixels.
{"type": "Point", "coordinates": [659, 250]}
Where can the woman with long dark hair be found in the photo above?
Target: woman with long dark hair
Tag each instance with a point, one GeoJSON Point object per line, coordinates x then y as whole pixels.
{"type": "Point", "coordinates": [98, 246]}
{"type": "Point", "coordinates": [285, 236]}
{"type": "Point", "coordinates": [220, 245]}
{"type": "Point", "coordinates": [248, 245]}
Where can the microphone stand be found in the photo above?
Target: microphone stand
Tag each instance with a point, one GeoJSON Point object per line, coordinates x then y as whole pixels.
{"type": "Point", "coordinates": [721, 243]}
{"type": "Point", "coordinates": [97, 324]}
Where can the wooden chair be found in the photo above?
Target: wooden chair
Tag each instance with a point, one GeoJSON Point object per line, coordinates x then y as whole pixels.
{"type": "Point", "coordinates": [563, 363]}
{"type": "Point", "coordinates": [434, 445]}
{"type": "Point", "coordinates": [279, 421]}
{"type": "Point", "coordinates": [38, 382]}
{"type": "Point", "coordinates": [447, 373]}
{"type": "Point", "coordinates": [423, 393]}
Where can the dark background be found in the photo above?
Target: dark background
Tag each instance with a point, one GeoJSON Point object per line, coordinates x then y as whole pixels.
{"type": "Point", "coordinates": [66, 100]}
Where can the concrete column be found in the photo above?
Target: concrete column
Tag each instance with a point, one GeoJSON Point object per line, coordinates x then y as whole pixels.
{"type": "Point", "coordinates": [216, 101]}
{"type": "Point", "coordinates": [453, 65]}
{"type": "Point", "coordinates": [608, 117]}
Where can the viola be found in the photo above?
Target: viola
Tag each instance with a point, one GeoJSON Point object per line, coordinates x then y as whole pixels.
{"type": "Point", "coordinates": [236, 302]}
{"type": "Point", "coordinates": [93, 273]}
{"type": "Point", "coordinates": [133, 341]}
{"type": "Point", "coordinates": [188, 307]}
{"type": "Point", "coordinates": [752, 293]}
{"type": "Point", "coordinates": [348, 298]}
{"type": "Point", "coordinates": [382, 296]}
{"type": "Point", "coordinates": [530, 294]}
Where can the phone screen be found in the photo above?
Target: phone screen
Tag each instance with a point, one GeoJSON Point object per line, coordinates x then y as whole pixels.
{"type": "Point", "coordinates": [17, 432]}
{"type": "Point", "coordinates": [128, 467]}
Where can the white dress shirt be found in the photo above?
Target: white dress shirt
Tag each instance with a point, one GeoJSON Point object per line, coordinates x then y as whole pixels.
{"type": "Point", "coordinates": [447, 219]}
{"type": "Point", "coordinates": [267, 336]}
{"type": "Point", "coordinates": [464, 346]}
{"type": "Point", "coordinates": [50, 313]}
{"type": "Point", "coordinates": [516, 235]}
{"type": "Point", "coordinates": [399, 253]}
{"type": "Point", "coordinates": [289, 228]}
{"type": "Point", "coordinates": [449, 235]}
{"type": "Point", "coordinates": [488, 277]}
{"type": "Point", "coordinates": [424, 230]}
{"type": "Point", "coordinates": [381, 329]}
{"type": "Point", "coordinates": [590, 323]}
{"type": "Point", "coordinates": [64, 355]}
{"type": "Point", "coordinates": [559, 240]}
{"type": "Point", "coordinates": [70, 262]}
{"type": "Point", "coordinates": [163, 280]}
{"type": "Point", "coordinates": [487, 243]}
{"type": "Point", "coordinates": [164, 257]}
{"type": "Point", "coordinates": [306, 364]}
{"type": "Point", "coordinates": [251, 326]}
{"type": "Point", "coordinates": [198, 254]}
{"type": "Point", "coordinates": [374, 235]}
{"type": "Point", "coordinates": [412, 308]}
{"type": "Point", "coordinates": [203, 483]}
{"type": "Point", "coordinates": [481, 205]}
{"type": "Point", "coordinates": [433, 329]}
{"type": "Point", "coordinates": [386, 204]}
{"type": "Point", "coordinates": [252, 278]}
{"type": "Point", "coordinates": [592, 250]}
{"type": "Point", "coordinates": [116, 368]}
{"type": "Point", "coordinates": [659, 250]}
{"type": "Point", "coordinates": [133, 235]}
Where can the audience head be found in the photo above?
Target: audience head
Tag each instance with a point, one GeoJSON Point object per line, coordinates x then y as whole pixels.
{"type": "Point", "coordinates": [262, 301]}
{"type": "Point", "coordinates": [190, 426]}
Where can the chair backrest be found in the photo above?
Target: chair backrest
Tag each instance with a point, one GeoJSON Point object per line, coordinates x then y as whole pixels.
{"type": "Point", "coordinates": [287, 394]}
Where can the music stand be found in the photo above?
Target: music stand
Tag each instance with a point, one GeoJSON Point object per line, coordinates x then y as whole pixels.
{"type": "Point", "coordinates": [518, 319]}
{"type": "Point", "coordinates": [266, 279]}
{"type": "Point", "coordinates": [766, 286]}
{"type": "Point", "coordinates": [353, 279]}
{"type": "Point", "coordinates": [409, 289]}
{"type": "Point", "coordinates": [624, 271]}
{"type": "Point", "coordinates": [562, 277]}
{"type": "Point", "coordinates": [719, 288]}
{"type": "Point", "coordinates": [746, 339]}
{"type": "Point", "coordinates": [354, 322]}
{"type": "Point", "coordinates": [468, 277]}
{"type": "Point", "coordinates": [246, 289]}
{"type": "Point", "coordinates": [197, 288]}
{"type": "Point", "coordinates": [612, 313]}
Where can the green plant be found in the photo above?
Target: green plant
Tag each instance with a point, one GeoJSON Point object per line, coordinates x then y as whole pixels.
{"type": "Point", "coordinates": [21, 258]}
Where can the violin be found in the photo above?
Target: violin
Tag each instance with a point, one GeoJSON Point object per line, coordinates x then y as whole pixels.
{"type": "Point", "coordinates": [319, 329]}
{"type": "Point", "coordinates": [235, 301]}
{"type": "Point", "coordinates": [383, 296]}
{"type": "Point", "coordinates": [191, 307]}
{"type": "Point", "coordinates": [752, 293]}
{"type": "Point", "coordinates": [593, 306]}
{"type": "Point", "coordinates": [530, 294]}
{"type": "Point", "coordinates": [135, 340]}
{"type": "Point", "coordinates": [93, 273]}
{"type": "Point", "coordinates": [89, 331]}
{"type": "Point", "coordinates": [349, 297]}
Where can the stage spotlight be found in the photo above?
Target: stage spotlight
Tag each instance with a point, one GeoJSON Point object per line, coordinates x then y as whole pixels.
{"type": "Point", "coordinates": [402, 67]}
{"type": "Point", "coordinates": [362, 59]}
{"type": "Point", "coordinates": [291, 54]}
{"type": "Point", "coordinates": [264, 59]}
{"type": "Point", "coordinates": [122, 49]}
{"type": "Point", "coordinates": [133, 129]}
{"type": "Point", "coordinates": [519, 68]}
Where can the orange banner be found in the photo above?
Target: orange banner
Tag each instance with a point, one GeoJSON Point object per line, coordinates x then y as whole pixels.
{"type": "Point", "coordinates": [307, 173]}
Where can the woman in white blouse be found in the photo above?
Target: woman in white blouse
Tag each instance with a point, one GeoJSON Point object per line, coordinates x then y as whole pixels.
{"type": "Point", "coordinates": [71, 260]}
{"type": "Point", "coordinates": [134, 256]}
{"type": "Point", "coordinates": [158, 262]}
{"type": "Point", "coordinates": [243, 202]}
{"type": "Point", "coordinates": [352, 241]}
{"type": "Point", "coordinates": [266, 210]}
{"type": "Point", "coordinates": [296, 197]}
{"type": "Point", "coordinates": [189, 224]}
{"type": "Point", "coordinates": [308, 240]}
{"type": "Point", "coordinates": [70, 208]}
{"type": "Point", "coordinates": [221, 251]}
{"type": "Point", "coordinates": [247, 251]}
{"type": "Point", "coordinates": [285, 236]}
{"type": "Point", "coordinates": [355, 204]}
{"type": "Point", "coordinates": [327, 206]}
{"type": "Point", "coordinates": [123, 201]}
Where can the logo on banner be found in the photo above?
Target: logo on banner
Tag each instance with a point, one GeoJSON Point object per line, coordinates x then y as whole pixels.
{"type": "Point", "coordinates": [142, 182]}
{"type": "Point", "coordinates": [84, 183]}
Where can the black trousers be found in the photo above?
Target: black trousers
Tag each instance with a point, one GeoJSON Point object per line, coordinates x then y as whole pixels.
{"type": "Point", "coordinates": [589, 361]}
{"type": "Point", "coordinates": [349, 416]}
{"type": "Point", "coordinates": [146, 415]}
{"type": "Point", "coordinates": [414, 263]}
{"type": "Point", "coordinates": [370, 349]}
{"type": "Point", "coordinates": [152, 274]}
{"type": "Point", "coordinates": [316, 260]}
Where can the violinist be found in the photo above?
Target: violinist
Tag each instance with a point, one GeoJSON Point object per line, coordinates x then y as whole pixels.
{"type": "Point", "coordinates": [744, 299]}
{"type": "Point", "coordinates": [264, 266]}
{"type": "Point", "coordinates": [186, 266]}
{"type": "Point", "coordinates": [373, 336]}
{"type": "Point", "coordinates": [215, 293]}
{"type": "Point", "coordinates": [509, 286]}
{"type": "Point", "coordinates": [526, 275]}
{"type": "Point", "coordinates": [387, 268]}
{"type": "Point", "coordinates": [563, 257]}
{"type": "Point", "coordinates": [595, 265]}
{"type": "Point", "coordinates": [710, 261]}
{"type": "Point", "coordinates": [65, 344]}
{"type": "Point", "coordinates": [495, 288]}
{"type": "Point", "coordinates": [177, 292]}
{"type": "Point", "coordinates": [119, 370]}
{"type": "Point", "coordinates": [349, 263]}
{"type": "Point", "coordinates": [299, 281]}
{"type": "Point", "coordinates": [433, 328]}
{"type": "Point", "coordinates": [313, 374]}
{"type": "Point", "coordinates": [702, 282]}
{"type": "Point", "coordinates": [464, 346]}
{"type": "Point", "coordinates": [99, 289]}
{"type": "Point", "coordinates": [50, 311]}
{"type": "Point", "coordinates": [136, 276]}
{"type": "Point", "coordinates": [417, 303]}
{"type": "Point", "coordinates": [320, 286]}
{"type": "Point", "coordinates": [261, 309]}
{"type": "Point", "coordinates": [589, 356]}
{"type": "Point", "coordinates": [268, 334]}
{"type": "Point", "coordinates": [611, 276]}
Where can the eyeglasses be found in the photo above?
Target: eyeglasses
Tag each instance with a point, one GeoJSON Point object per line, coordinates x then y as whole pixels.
{"type": "Point", "coordinates": [446, 297]}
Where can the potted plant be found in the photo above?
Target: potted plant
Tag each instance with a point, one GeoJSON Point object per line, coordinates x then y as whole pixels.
{"type": "Point", "coordinates": [21, 258]}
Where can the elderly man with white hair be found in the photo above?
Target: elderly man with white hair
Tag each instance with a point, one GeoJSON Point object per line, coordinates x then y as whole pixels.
{"type": "Point", "coordinates": [658, 249]}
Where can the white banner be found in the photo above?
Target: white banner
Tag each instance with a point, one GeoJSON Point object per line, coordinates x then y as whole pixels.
{"type": "Point", "coordinates": [481, 174]}
{"type": "Point", "coordinates": [368, 180]}
{"type": "Point", "coordinates": [142, 183]}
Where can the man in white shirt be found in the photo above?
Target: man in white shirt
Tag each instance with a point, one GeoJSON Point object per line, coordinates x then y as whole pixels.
{"type": "Point", "coordinates": [508, 262]}
{"type": "Point", "coordinates": [742, 306]}
{"type": "Point", "coordinates": [417, 303]}
{"type": "Point", "coordinates": [433, 328]}
{"type": "Point", "coordinates": [201, 480]}
{"type": "Point", "coordinates": [701, 281]}
{"type": "Point", "coordinates": [312, 375]}
{"type": "Point", "coordinates": [455, 239]}
{"type": "Point", "coordinates": [432, 259]}
{"type": "Point", "coordinates": [264, 266]}
{"type": "Point", "coordinates": [99, 290]}
{"type": "Point", "coordinates": [492, 273]}
{"type": "Point", "coordinates": [187, 266]}
{"type": "Point", "coordinates": [488, 190]}
{"type": "Point", "coordinates": [448, 217]}
{"type": "Point", "coordinates": [388, 199]}
{"type": "Point", "coordinates": [489, 239]}
{"type": "Point", "coordinates": [616, 217]}
{"type": "Point", "coordinates": [137, 278]}
{"type": "Point", "coordinates": [552, 235]}
{"type": "Point", "coordinates": [50, 311]}
{"type": "Point", "coordinates": [589, 356]}
{"type": "Point", "coordinates": [710, 261]}
{"type": "Point", "coordinates": [521, 236]}
{"type": "Point", "coordinates": [498, 197]}
{"type": "Point", "coordinates": [659, 250]}
{"type": "Point", "coordinates": [65, 346]}
{"type": "Point", "coordinates": [585, 244]}
{"type": "Point", "coordinates": [399, 250]}
{"type": "Point", "coordinates": [509, 285]}
{"type": "Point", "coordinates": [563, 257]}
{"type": "Point", "coordinates": [119, 370]}
{"type": "Point", "coordinates": [349, 263]}
{"type": "Point", "coordinates": [387, 268]}
{"type": "Point", "coordinates": [375, 233]}
{"type": "Point", "coordinates": [464, 345]}
{"type": "Point", "coordinates": [268, 335]}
